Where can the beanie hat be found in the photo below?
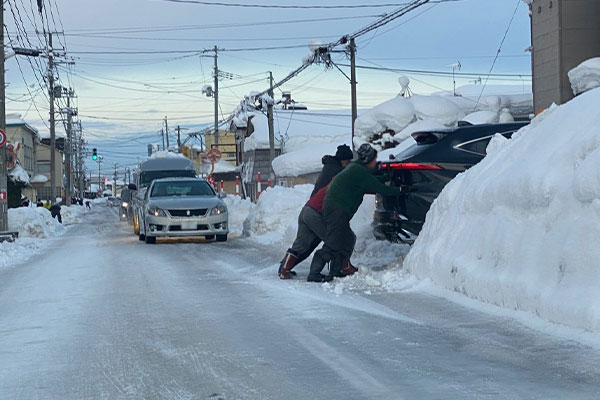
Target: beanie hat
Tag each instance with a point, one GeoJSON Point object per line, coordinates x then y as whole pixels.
{"type": "Point", "coordinates": [344, 153]}
{"type": "Point", "coordinates": [366, 153]}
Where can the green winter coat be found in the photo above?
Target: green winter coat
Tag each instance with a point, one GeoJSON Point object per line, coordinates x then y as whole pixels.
{"type": "Point", "coordinates": [347, 189]}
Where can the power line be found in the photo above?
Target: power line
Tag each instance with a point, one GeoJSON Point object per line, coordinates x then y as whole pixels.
{"type": "Point", "coordinates": [305, 7]}
{"type": "Point", "coordinates": [498, 52]}
{"type": "Point", "coordinates": [436, 73]}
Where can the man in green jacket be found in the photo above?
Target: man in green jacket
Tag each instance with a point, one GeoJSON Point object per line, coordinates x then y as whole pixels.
{"type": "Point", "coordinates": [344, 196]}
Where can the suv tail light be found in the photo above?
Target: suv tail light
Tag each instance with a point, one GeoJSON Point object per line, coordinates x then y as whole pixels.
{"type": "Point", "coordinates": [411, 166]}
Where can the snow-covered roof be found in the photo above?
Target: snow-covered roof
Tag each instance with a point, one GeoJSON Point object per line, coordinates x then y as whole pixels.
{"type": "Point", "coordinates": [383, 123]}
{"type": "Point", "coordinates": [305, 160]}
{"type": "Point", "coordinates": [299, 128]}
{"type": "Point", "coordinates": [39, 179]}
{"type": "Point", "coordinates": [19, 175]}
{"type": "Point", "coordinates": [585, 76]}
{"type": "Point", "coordinates": [16, 120]}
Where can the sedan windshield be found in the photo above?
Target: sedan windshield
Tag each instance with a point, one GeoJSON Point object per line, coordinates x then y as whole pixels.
{"type": "Point", "coordinates": [181, 188]}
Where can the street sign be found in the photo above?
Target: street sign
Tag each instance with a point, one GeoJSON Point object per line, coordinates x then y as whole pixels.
{"type": "Point", "coordinates": [214, 155]}
{"type": "Point", "coordinates": [2, 138]}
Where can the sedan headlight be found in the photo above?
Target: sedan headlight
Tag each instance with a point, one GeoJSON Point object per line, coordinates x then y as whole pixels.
{"type": "Point", "coordinates": [124, 204]}
{"type": "Point", "coordinates": [157, 212]}
{"type": "Point", "coordinates": [218, 210]}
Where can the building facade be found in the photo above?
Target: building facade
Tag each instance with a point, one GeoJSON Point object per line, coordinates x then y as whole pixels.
{"type": "Point", "coordinates": [564, 33]}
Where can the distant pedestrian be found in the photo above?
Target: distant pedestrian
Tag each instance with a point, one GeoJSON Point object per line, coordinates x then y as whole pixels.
{"type": "Point", "coordinates": [311, 226]}
{"type": "Point", "coordinates": [39, 203]}
{"type": "Point", "coordinates": [87, 204]}
{"type": "Point", "coordinates": [55, 211]}
{"type": "Point", "coordinates": [344, 196]}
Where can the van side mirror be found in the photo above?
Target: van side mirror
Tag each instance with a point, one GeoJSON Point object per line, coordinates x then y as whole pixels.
{"type": "Point", "coordinates": [132, 186]}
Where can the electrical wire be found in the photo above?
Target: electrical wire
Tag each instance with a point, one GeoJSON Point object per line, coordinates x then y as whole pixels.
{"type": "Point", "coordinates": [294, 7]}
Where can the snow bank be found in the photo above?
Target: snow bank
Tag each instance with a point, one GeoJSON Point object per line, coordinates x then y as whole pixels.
{"type": "Point", "coordinates": [274, 220]}
{"type": "Point", "coordinates": [12, 253]}
{"type": "Point", "coordinates": [518, 229]}
{"type": "Point", "coordinates": [585, 76]}
{"type": "Point", "coordinates": [33, 222]}
{"type": "Point", "coordinates": [238, 210]}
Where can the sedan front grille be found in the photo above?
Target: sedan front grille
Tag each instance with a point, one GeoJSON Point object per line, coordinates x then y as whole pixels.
{"type": "Point", "coordinates": [198, 212]}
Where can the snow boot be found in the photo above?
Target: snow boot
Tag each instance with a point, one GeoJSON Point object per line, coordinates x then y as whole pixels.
{"type": "Point", "coordinates": [335, 267]}
{"type": "Point", "coordinates": [319, 278]}
{"type": "Point", "coordinates": [348, 269]}
{"type": "Point", "coordinates": [286, 265]}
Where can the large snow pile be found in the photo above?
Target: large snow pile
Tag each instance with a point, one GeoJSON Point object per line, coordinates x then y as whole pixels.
{"type": "Point", "coordinates": [275, 217]}
{"type": "Point", "coordinates": [238, 210]}
{"type": "Point", "coordinates": [519, 229]}
{"type": "Point", "coordinates": [33, 222]}
{"type": "Point", "coordinates": [585, 76]}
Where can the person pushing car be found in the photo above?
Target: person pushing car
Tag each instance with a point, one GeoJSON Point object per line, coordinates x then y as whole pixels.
{"type": "Point", "coordinates": [344, 196]}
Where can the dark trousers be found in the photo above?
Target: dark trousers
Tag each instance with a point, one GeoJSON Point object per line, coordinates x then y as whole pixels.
{"type": "Point", "coordinates": [339, 242]}
{"type": "Point", "coordinates": [311, 232]}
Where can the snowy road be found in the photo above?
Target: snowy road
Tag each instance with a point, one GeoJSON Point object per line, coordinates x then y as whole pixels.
{"type": "Point", "coordinates": [104, 316]}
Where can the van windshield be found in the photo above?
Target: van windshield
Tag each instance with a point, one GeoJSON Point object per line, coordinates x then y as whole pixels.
{"type": "Point", "coordinates": [147, 177]}
{"type": "Point", "coordinates": [181, 188]}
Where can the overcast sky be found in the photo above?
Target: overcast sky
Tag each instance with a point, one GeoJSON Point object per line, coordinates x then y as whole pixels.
{"type": "Point", "coordinates": [120, 94]}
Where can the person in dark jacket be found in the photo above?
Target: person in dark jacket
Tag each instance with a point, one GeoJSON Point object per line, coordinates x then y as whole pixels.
{"type": "Point", "coordinates": [344, 196]}
{"type": "Point", "coordinates": [55, 212]}
{"type": "Point", "coordinates": [311, 227]}
{"type": "Point", "coordinates": [332, 165]}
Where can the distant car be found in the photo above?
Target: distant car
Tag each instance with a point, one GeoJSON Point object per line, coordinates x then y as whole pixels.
{"type": "Point", "coordinates": [112, 201]}
{"type": "Point", "coordinates": [424, 169]}
{"type": "Point", "coordinates": [125, 211]}
{"type": "Point", "coordinates": [177, 207]}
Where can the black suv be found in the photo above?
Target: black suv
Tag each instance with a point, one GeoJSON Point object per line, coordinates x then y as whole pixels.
{"type": "Point", "coordinates": [424, 169]}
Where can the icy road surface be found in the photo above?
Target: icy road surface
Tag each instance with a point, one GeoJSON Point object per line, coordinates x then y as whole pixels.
{"type": "Point", "coordinates": [104, 316]}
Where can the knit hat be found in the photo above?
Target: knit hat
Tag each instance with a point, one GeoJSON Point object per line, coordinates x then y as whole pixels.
{"type": "Point", "coordinates": [366, 153]}
{"type": "Point", "coordinates": [344, 153]}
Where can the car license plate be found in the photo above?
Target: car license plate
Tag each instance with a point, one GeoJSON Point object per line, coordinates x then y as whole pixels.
{"type": "Point", "coordinates": [188, 225]}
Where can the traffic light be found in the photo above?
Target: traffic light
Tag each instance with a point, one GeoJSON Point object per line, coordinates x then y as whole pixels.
{"type": "Point", "coordinates": [94, 154]}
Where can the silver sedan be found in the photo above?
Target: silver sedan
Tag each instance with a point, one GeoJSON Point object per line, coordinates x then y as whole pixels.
{"type": "Point", "coordinates": [182, 207]}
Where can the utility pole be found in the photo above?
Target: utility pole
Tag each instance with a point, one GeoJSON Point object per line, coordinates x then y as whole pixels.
{"type": "Point", "coordinates": [52, 122]}
{"type": "Point", "coordinates": [353, 85]}
{"type": "Point", "coordinates": [216, 94]}
{"type": "Point", "coordinates": [114, 186]}
{"type": "Point", "coordinates": [162, 135]}
{"type": "Point", "coordinates": [99, 163]}
{"type": "Point", "coordinates": [271, 128]}
{"type": "Point", "coordinates": [179, 138]}
{"type": "Point", "coordinates": [3, 172]}
{"type": "Point", "coordinates": [167, 131]}
{"type": "Point", "coordinates": [68, 148]}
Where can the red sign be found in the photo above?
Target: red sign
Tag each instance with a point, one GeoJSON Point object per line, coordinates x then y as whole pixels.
{"type": "Point", "coordinates": [3, 196]}
{"type": "Point", "coordinates": [214, 155]}
{"type": "Point", "coordinates": [2, 138]}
